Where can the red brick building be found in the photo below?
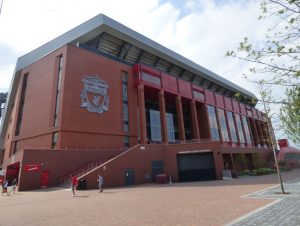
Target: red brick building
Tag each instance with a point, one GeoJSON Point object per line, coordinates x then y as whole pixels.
{"type": "Point", "coordinates": [102, 98]}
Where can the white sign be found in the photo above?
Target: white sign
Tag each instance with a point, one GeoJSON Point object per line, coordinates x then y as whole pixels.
{"type": "Point", "coordinates": [194, 151]}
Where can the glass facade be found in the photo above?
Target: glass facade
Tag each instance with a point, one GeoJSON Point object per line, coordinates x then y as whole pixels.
{"type": "Point", "coordinates": [54, 140]}
{"type": "Point", "coordinates": [151, 79]}
{"type": "Point", "coordinates": [223, 125]}
{"type": "Point", "coordinates": [246, 129]}
{"type": "Point", "coordinates": [58, 87]}
{"type": "Point", "coordinates": [187, 123]}
{"type": "Point", "coordinates": [155, 126]}
{"type": "Point", "coordinates": [239, 128]}
{"type": "Point", "coordinates": [125, 101]}
{"type": "Point", "coordinates": [21, 105]}
{"type": "Point", "coordinates": [232, 129]}
{"type": "Point", "coordinates": [198, 95]}
{"type": "Point", "coordinates": [171, 128]}
{"type": "Point", "coordinates": [214, 129]}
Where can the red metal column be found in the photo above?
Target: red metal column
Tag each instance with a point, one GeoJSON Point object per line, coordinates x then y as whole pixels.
{"type": "Point", "coordinates": [195, 125]}
{"type": "Point", "coordinates": [163, 120]}
{"type": "Point", "coordinates": [142, 114]}
{"type": "Point", "coordinates": [180, 119]}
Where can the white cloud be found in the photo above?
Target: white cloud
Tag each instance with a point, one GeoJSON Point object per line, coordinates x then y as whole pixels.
{"type": "Point", "coordinates": [201, 30]}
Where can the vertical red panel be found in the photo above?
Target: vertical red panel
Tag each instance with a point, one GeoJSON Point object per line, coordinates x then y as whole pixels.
{"type": "Point", "coordinates": [169, 83]}
{"type": "Point", "coordinates": [197, 88]}
{"type": "Point", "coordinates": [259, 114]}
{"type": "Point", "coordinates": [210, 99]}
{"type": "Point", "coordinates": [254, 113]}
{"type": "Point", "coordinates": [242, 108]}
{"type": "Point", "coordinates": [235, 106]}
{"type": "Point", "coordinates": [228, 103]}
{"type": "Point", "coordinates": [185, 88]}
{"type": "Point", "coordinates": [219, 100]}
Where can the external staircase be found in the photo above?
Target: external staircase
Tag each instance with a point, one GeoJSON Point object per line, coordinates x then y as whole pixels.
{"type": "Point", "coordinates": [65, 181]}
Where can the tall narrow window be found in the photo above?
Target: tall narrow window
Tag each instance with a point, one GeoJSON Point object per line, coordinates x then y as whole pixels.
{"type": "Point", "coordinates": [214, 129]}
{"type": "Point", "coordinates": [2, 156]}
{"type": "Point", "coordinates": [125, 101]}
{"type": "Point", "coordinates": [232, 129]}
{"type": "Point", "coordinates": [155, 125]}
{"type": "Point", "coordinates": [170, 126]}
{"type": "Point", "coordinates": [126, 142]}
{"type": "Point", "coordinates": [223, 125]}
{"type": "Point", "coordinates": [54, 140]}
{"type": "Point", "coordinates": [58, 90]}
{"type": "Point", "coordinates": [21, 105]}
{"type": "Point", "coordinates": [16, 147]}
{"type": "Point", "coordinates": [246, 128]}
{"type": "Point", "coordinates": [239, 128]}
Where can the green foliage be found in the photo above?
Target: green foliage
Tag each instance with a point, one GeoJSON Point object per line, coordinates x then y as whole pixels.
{"type": "Point", "coordinates": [278, 59]}
{"type": "Point", "coordinates": [245, 172]}
{"type": "Point", "coordinates": [262, 171]}
{"type": "Point", "coordinates": [290, 114]}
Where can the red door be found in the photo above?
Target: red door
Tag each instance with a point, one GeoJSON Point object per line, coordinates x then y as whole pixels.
{"type": "Point", "coordinates": [45, 179]}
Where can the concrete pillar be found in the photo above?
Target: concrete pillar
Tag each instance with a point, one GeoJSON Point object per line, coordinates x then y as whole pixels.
{"type": "Point", "coordinates": [142, 114]}
{"type": "Point", "coordinates": [195, 125]}
{"type": "Point", "coordinates": [163, 120]}
{"type": "Point", "coordinates": [180, 119]}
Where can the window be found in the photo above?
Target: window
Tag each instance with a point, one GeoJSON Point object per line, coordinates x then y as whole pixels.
{"type": "Point", "coordinates": [16, 147]}
{"type": "Point", "coordinates": [155, 126]}
{"type": "Point", "coordinates": [125, 101]}
{"type": "Point", "coordinates": [21, 105]}
{"type": "Point", "coordinates": [247, 131]}
{"type": "Point", "coordinates": [198, 95]}
{"type": "Point", "coordinates": [214, 129]}
{"type": "Point", "coordinates": [58, 90]}
{"type": "Point", "coordinates": [126, 142]}
{"type": "Point", "coordinates": [232, 130]}
{"type": "Point", "coordinates": [54, 140]}
{"type": "Point", "coordinates": [151, 79]}
{"type": "Point", "coordinates": [239, 128]}
{"type": "Point", "coordinates": [249, 112]}
{"type": "Point", "coordinates": [2, 156]}
{"type": "Point", "coordinates": [170, 126]}
{"type": "Point", "coordinates": [223, 125]}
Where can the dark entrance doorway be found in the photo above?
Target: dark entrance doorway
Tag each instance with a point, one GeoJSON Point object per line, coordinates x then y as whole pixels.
{"type": "Point", "coordinates": [157, 168]}
{"type": "Point", "coordinates": [196, 167]}
{"type": "Point", "coordinates": [129, 177]}
{"type": "Point", "coordinates": [12, 172]}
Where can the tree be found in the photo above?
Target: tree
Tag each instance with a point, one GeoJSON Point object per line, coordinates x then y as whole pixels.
{"type": "Point", "coordinates": [290, 114]}
{"type": "Point", "coordinates": [277, 58]}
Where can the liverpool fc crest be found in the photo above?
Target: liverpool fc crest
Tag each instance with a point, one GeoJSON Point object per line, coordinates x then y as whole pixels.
{"type": "Point", "coordinates": [94, 95]}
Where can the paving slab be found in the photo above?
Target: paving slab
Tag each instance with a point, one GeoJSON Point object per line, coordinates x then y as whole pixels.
{"type": "Point", "coordinates": [199, 203]}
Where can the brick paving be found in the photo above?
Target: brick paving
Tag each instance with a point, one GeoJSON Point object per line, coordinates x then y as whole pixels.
{"type": "Point", "coordinates": [199, 203]}
{"type": "Point", "coordinates": [283, 212]}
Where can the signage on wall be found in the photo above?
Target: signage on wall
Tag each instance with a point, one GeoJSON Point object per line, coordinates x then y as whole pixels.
{"type": "Point", "coordinates": [193, 151]}
{"type": "Point", "coordinates": [32, 168]}
{"type": "Point", "coordinates": [94, 96]}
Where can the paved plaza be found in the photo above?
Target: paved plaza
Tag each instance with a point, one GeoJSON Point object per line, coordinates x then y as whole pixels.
{"type": "Point", "coordinates": [228, 202]}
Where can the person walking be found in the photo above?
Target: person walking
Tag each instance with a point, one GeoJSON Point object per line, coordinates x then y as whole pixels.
{"type": "Point", "coordinates": [74, 183]}
{"type": "Point", "coordinates": [14, 186]}
{"type": "Point", "coordinates": [5, 187]}
{"type": "Point", "coordinates": [100, 183]}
